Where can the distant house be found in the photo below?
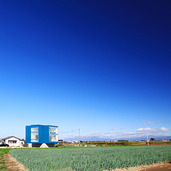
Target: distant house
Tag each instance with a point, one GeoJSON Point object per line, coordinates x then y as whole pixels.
{"type": "Point", "coordinates": [12, 141]}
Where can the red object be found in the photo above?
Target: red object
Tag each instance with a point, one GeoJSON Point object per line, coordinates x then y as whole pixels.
{"type": "Point", "coordinates": [59, 145]}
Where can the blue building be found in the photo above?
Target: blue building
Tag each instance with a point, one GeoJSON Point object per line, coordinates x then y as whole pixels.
{"type": "Point", "coordinates": [39, 134]}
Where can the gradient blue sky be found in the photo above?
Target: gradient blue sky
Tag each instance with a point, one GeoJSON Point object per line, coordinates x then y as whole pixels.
{"type": "Point", "coordinates": [101, 66]}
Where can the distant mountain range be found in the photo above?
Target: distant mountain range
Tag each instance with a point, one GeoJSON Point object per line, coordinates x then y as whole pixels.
{"type": "Point", "coordinates": [96, 138]}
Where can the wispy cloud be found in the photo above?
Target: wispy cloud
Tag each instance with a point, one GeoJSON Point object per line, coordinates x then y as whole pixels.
{"type": "Point", "coordinates": [113, 129]}
{"type": "Point", "coordinates": [132, 133]}
{"type": "Point", "coordinates": [122, 127]}
{"type": "Point", "coordinates": [150, 122]}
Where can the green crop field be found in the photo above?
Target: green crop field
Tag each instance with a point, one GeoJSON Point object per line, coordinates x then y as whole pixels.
{"type": "Point", "coordinates": [88, 159]}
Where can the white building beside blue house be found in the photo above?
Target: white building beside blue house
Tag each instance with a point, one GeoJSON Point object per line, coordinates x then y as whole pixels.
{"type": "Point", "coordinates": [12, 141]}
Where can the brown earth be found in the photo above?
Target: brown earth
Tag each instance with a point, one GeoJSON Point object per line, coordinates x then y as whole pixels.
{"type": "Point", "coordinates": [164, 166]}
{"type": "Point", "coordinates": [149, 145]}
{"type": "Point", "coordinates": [12, 163]}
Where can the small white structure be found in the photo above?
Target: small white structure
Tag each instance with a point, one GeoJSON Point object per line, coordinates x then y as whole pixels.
{"type": "Point", "coordinates": [12, 141]}
{"type": "Point", "coordinates": [44, 145]}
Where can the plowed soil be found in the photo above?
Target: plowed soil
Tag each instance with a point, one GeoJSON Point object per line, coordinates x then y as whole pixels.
{"type": "Point", "coordinates": [12, 163]}
{"type": "Point", "coordinates": [164, 166]}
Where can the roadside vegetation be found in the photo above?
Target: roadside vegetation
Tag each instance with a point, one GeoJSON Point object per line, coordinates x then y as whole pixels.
{"type": "Point", "coordinates": [126, 143]}
{"type": "Point", "coordinates": [3, 151]}
{"type": "Point", "coordinates": [88, 159]}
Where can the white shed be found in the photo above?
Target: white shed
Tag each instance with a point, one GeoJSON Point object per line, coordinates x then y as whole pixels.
{"type": "Point", "coordinates": [12, 141]}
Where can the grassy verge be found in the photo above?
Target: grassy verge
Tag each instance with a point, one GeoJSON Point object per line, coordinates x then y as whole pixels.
{"type": "Point", "coordinates": [3, 151]}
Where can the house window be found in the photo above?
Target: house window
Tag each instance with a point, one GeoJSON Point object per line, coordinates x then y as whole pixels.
{"type": "Point", "coordinates": [53, 133]}
{"type": "Point", "coordinates": [34, 134]}
{"type": "Point", "coordinates": [12, 141]}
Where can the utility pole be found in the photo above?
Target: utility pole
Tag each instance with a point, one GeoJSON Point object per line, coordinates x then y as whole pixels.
{"type": "Point", "coordinates": [147, 139]}
{"type": "Point", "coordinates": [79, 136]}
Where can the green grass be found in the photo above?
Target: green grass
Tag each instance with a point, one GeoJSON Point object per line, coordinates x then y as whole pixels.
{"type": "Point", "coordinates": [88, 159]}
{"type": "Point", "coordinates": [3, 151]}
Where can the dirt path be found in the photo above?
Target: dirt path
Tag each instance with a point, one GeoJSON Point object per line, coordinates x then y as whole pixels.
{"type": "Point", "coordinates": [160, 167]}
{"type": "Point", "coordinates": [164, 166]}
{"type": "Point", "coordinates": [12, 163]}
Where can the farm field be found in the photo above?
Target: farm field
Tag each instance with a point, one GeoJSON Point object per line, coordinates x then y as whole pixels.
{"type": "Point", "coordinates": [88, 159]}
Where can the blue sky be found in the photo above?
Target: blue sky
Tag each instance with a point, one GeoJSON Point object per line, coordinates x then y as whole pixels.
{"type": "Point", "coordinates": [101, 66]}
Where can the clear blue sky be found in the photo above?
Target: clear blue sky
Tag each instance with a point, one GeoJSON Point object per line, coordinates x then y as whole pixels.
{"type": "Point", "coordinates": [101, 66]}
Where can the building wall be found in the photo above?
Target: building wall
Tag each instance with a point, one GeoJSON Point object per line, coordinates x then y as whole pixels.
{"type": "Point", "coordinates": [14, 142]}
{"type": "Point", "coordinates": [43, 134]}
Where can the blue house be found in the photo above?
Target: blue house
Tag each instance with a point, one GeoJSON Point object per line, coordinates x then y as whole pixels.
{"type": "Point", "coordinates": [39, 134]}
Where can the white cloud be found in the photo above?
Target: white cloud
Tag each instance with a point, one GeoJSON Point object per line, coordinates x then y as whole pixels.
{"type": "Point", "coordinates": [156, 130]}
{"type": "Point", "coordinates": [144, 129]}
{"type": "Point", "coordinates": [163, 129]}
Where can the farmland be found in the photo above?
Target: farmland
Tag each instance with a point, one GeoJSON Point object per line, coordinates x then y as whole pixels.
{"type": "Point", "coordinates": [2, 163]}
{"type": "Point", "coordinates": [89, 159]}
